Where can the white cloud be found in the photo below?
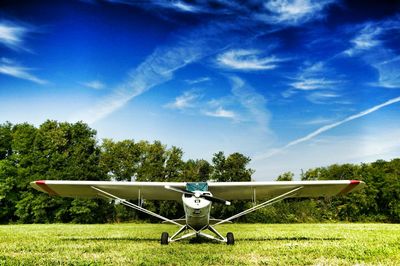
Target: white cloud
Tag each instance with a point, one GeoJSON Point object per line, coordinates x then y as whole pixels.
{"type": "Point", "coordinates": [277, 12]}
{"type": "Point", "coordinates": [313, 77]}
{"type": "Point", "coordinates": [293, 12]}
{"type": "Point", "coordinates": [322, 97]}
{"type": "Point", "coordinates": [327, 128]}
{"type": "Point", "coordinates": [12, 34]}
{"type": "Point", "coordinates": [198, 80]}
{"type": "Point", "coordinates": [366, 39]}
{"type": "Point", "coordinates": [183, 6]}
{"type": "Point", "coordinates": [315, 82]}
{"type": "Point", "coordinates": [247, 60]}
{"type": "Point", "coordinates": [369, 44]}
{"type": "Point", "coordinates": [11, 68]}
{"type": "Point", "coordinates": [221, 112]}
{"type": "Point", "coordinates": [186, 100]}
{"type": "Point", "coordinates": [312, 83]}
{"type": "Point", "coordinates": [389, 72]}
{"type": "Point", "coordinates": [94, 84]}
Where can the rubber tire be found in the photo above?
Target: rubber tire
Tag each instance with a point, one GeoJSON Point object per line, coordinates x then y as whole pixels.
{"type": "Point", "coordinates": [230, 240]}
{"type": "Point", "coordinates": [164, 238]}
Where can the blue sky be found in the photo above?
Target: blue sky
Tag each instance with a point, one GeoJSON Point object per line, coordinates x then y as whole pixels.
{"type": "Point", "coordinates": [292, 84]}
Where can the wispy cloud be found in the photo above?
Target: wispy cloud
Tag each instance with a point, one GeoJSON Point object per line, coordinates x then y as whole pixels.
{"type": "Point", "coordinates": [283, 12]}
{"type": "Point", "coordinates": [183, 6]}
{"type": "Point", "coordinates": [242, 104]}
{"type": "Point", "coordinates": [94, 84]}
{"type": "Point", "coordinates": [307, 84]}
{"type": "Point", "coordinates": [313, 77]}
{"type": "Point", "coordinates": [158, 68]}
{"type": "Point", "coordinates": [366, 39]}
{"type": "Point", "coordinates": [247, 60]}
{"type": "Point", "coordinates": [12, 34]}
{"type": "Point", "coordinates": [198, 80]}
{"type": "Point", "coordinates": [252, 101]}
{"type": "Point", "coordinates": [314, 81]}
{"type": "Point", "coordinates": [197, 43]}
{"type": "Point", "coordinates": [184, 101]}
{"type": "Point", "coordinates": [369, 43]}
{"type": "Point", "coordinates": [10, 68]}
{"type": "Point", "coordinates": [221, 112]}
{"type": "Point", "coordinates": [328, 127]}
{"type": "Point", "coordinates": [389, 72]}
{"type": "Point", "coordinates": [293, 12]}
{"type": "Point", "coordinates": [322, 97]}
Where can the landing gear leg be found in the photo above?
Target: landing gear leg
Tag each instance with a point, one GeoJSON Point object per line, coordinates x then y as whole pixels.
{"type": "Point", "coordinates": [164, 238]}
{"type": "Point", "coordinates": [230, 240]}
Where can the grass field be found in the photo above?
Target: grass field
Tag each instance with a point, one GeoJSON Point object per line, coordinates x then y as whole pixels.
{"type": "Point", "coordinates": [138, 244]}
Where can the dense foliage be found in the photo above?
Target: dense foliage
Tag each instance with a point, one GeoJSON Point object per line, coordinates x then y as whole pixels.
{"type": "Point", "coordinates": [67, 151]}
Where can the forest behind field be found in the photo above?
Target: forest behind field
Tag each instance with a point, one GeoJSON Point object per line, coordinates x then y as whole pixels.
{"type": "Point", "coordinates": [71, 151]}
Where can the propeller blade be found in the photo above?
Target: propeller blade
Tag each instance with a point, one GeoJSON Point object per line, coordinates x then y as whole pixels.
{"type": "Point", "coordinates": [215, 199]}
{"type": "Point", "coordinates": [180, 190]}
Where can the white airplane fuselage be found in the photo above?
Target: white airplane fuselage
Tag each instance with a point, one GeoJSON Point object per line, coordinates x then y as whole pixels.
{"type": "Point", "coordinates": [197, 210]}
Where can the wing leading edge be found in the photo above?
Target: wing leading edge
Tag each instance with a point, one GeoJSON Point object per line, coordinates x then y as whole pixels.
{"type": "Point", "coordinates": [225, 190]}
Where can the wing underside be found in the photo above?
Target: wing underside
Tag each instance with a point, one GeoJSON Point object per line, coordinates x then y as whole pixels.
{"type": "Point", "coordinates": [224, 190]}
{"type": "Point", "coordinates": [263, 190]}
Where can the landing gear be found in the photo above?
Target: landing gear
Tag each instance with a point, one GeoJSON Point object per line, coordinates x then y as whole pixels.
{"type": "Point", "coordinates": [164, 238]}
{"type": "Point", "coordinates": [230, 240]}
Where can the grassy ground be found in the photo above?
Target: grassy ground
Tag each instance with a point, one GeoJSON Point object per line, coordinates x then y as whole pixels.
{"type": "Point", "coordinates": [124, 244]}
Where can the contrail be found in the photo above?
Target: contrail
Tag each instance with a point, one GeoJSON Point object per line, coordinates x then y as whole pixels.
{"type": "Point", "coordinates": [328, 127]}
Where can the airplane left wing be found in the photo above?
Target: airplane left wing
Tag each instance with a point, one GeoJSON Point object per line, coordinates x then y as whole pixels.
{"type": "Point", "coordinates": [125, 190]}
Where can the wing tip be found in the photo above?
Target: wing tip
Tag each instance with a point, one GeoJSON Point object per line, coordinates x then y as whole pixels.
{"type": "Point", "coordinates": [42, 186]}
{"type": "Point", "coordinates": [352, 186]}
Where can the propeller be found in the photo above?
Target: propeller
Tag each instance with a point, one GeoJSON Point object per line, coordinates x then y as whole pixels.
{"type": "Point", "coordinates": [198, 195]}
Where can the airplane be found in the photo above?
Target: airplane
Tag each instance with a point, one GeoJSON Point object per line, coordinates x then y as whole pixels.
{"type": "Point", "coordinates": [197, 198]}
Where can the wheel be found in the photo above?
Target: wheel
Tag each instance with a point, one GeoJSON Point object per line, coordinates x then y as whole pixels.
{"type": "Point", "coordinates": [164, 238]}
{"type": "Point", "coordinates": [230, 240]}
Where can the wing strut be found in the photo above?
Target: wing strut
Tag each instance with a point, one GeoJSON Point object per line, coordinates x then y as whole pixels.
{"type": "Point", "coordinates": [261, 205]}
{"type": "Point", "coordinates": [134, 206]}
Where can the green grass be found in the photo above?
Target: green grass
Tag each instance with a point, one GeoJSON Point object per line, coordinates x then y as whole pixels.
{"type": "Point", "coordinates": [263, 244]}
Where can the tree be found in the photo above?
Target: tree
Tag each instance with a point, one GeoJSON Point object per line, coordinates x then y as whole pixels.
{"type": "Point", "coordinates": [5, 140]}
{"type": "Point", "coordinates": [288, 176]}
{"type": "Point", "coordinates": [196, 171]}
{"type": "Point", "coordinates": [152, 162]}
{"type": "Point", "coordinates": [120, 160]}
{"type": "Point", "coordinates": [232, 168]}
{"type": "Point", "coordinates": [174, 164]}
{"type": "Point", "coordinates": [53, 151]}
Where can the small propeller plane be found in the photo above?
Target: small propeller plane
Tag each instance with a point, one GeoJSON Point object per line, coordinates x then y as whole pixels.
{"type": "Point", "coordinates": [197, 198]}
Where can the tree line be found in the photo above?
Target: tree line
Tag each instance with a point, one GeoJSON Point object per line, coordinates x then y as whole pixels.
{"type": "Point", "coordinates": [71, 151]}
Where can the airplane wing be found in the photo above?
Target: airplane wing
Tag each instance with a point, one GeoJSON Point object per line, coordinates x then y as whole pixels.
{"type": "Point", "coordinates": [263, 190]}
{"type": "Point", "coordinates": [224, 190]}
{"type": "Point", "coordinates": [125, 190]}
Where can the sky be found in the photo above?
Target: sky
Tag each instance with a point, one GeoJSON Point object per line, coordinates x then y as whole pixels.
{"type": "Point", "coordinates": [291, 84]}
